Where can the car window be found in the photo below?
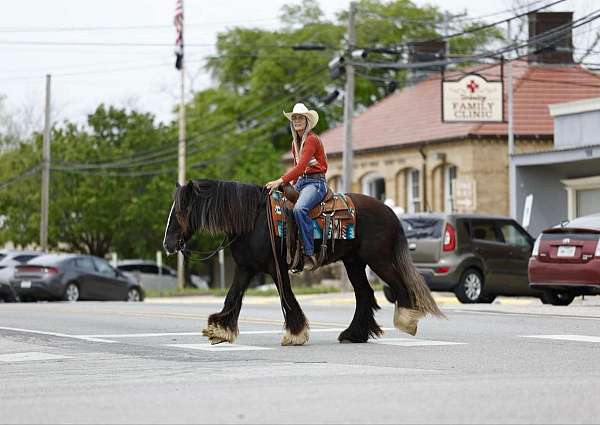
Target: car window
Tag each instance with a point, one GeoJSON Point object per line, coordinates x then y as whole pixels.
{"type": "Point", "coordinates": [513, 235]}
{"type": "Point", "coordinates": [484, 231]}
{"type": "Point", "coordinates": [24, 258]}
{"type": "Point", "coordinates": [128, 268]}
{"type": "Point", "coordinates": [167, 271]}
{"type": "Point", "coordinates": [85, 264]}
{"type": "Point", "coordinates": [148, 268]}
{"type": "Point", "coordinates": [587, 221]}
{"type": "Point", "coordinates": [422, 227]}
{"type": "Point", "coordinates": [103, 267]}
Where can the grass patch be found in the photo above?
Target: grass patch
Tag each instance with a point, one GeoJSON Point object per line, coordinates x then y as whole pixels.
{"type": "Point", "coordinates": [217, 292]}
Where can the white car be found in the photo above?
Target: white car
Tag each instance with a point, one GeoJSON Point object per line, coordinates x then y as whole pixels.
{"type": "Point", "coordinates": [153, 277]}
{"type": "Point", "coordinates": [8, 260]}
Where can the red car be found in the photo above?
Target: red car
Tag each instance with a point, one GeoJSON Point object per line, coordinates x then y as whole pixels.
{"type": "Point", "coordinates": [565, 261]}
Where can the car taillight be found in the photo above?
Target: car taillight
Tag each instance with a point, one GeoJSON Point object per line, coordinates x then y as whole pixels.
{"type": "Point", "coordinates": [50, 270]}
{"type": "Point", "coordinates": [536, 247]}
{"type": "Point", "coordinates": [37, 269]}
{"type": "Point", "coordinates": [449, 238]}
{"type": "Point", "coordinates": [597, 253]}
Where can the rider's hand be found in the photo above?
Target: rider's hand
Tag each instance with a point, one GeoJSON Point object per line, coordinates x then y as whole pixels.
{"type": "Point", "coordinates": [274, 185]}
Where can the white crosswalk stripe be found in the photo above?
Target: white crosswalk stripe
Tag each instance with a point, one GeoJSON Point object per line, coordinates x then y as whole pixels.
{"type": "Point", "coordinates": [578, 338]}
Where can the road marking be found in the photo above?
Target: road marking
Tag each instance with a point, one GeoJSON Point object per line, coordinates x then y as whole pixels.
{"type": "Point", "coordinates": [61, 335]}
{"type": "Point", "coordinates": [578, 338]}
{"type": "Point", "coordinates": [218, 347]}
{"type": "Point", "coordinates": [413, 342]}
{"type": "Point", "coordinates": [30, 357]}
{"type": "Point", "coordinates": [161, 334]}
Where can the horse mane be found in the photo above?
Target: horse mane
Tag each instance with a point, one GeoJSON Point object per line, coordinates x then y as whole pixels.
{"type": "Point", "coordinates": [217, 206]}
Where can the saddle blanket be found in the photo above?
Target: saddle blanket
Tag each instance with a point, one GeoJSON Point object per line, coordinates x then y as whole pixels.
{"type": "Point", "coordinates": [340, 208]}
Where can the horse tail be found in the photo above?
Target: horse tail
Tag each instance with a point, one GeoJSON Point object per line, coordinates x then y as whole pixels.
{"type": "Point", "coordinates": [418, 291]}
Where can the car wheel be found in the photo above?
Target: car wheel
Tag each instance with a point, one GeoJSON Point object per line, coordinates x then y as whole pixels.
{"type": "Point", "coordinates": [71, 292]}
{"type": "Point", "coordinates": [470, 288]}
{"type": "Point", "coordinates": [557, 298]}
{"type": "Point", "coordinates": [389, 295]}
{"type": "Point", "coordinates": [134, 295]}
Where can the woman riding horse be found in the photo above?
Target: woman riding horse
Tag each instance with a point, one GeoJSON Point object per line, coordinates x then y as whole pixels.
{"type": "Point", "coordinates": [308, 173]}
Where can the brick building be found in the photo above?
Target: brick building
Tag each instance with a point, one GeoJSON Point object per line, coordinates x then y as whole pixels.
{"type": "Point", "coordinates": [404, 152]}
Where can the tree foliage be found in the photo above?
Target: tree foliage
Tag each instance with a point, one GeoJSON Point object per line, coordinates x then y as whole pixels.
{"type": "Point", "coordinates": [235, 130]}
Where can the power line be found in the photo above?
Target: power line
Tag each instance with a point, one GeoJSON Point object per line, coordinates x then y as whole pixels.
{"type": "Point", "coordinates": [149, 157]}
{"type": "Point", "coordinates": [548, 36]}
{"type": "Point", "coordinates": [14, 179]}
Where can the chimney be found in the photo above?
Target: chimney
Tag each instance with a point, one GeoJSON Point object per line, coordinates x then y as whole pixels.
{"type": "Point", "coordinates": [557, 49]}
{"type": "Point", "coordinates": [425, 51]}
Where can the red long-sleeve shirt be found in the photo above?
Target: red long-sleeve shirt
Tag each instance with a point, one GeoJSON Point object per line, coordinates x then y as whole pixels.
{"type": "Point", "coordinates": [313, 148]}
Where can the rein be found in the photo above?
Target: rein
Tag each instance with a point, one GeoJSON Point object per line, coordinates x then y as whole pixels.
{"type": "Point", "coordinates": [192, 254]}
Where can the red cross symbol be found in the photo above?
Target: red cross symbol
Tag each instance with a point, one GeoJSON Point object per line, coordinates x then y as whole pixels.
{"type": "Point", "coordinates": [472, 86]}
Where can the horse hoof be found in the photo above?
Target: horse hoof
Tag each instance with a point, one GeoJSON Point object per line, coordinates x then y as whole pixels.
{"type": "Point", "coordinates": [218, 334]}
{"type": "Point", "coordinates": [406, 320]}
{"type": "Point", "coordinates": [291, 339]}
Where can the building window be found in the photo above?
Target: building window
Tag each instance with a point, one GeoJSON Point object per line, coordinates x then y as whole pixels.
{"type": "Point", "coordinates": [335, 183]}
{"type": "Point", "coordinates": [450, 172]}
{"type": "Point", "coordinates": [413, 191]}
{"type": "Point", "coordinates": [373, 184]}
{"type": "Point", "coordinates": [583, 196]}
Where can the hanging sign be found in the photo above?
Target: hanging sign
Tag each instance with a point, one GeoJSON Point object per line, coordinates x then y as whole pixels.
{"type": "Point", "coordinates": [472, 99]}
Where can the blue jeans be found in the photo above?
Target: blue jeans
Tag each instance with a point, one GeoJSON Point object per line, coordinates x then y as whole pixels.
{"type": "Point", "coordinates": [312, 191]}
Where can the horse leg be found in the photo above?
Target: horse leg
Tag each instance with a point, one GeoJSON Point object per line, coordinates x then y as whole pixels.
{"type": "Point", "coordinates": [363, 325]}
{"type": "Point", "coordinates": [296, 325]}
{"type": "Point", "coordinates": [223, 326]}
{"type": "Point", "coordinates": [406, 317]}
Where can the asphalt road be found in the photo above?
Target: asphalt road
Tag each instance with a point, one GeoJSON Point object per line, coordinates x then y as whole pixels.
{"type": "Point", "coordinates": [516, 361]}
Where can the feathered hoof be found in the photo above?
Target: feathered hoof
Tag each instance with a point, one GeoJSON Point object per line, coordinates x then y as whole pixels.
{"type": "Point", "coordinates": [291, 339]}
{"type": "Point", "coordinates": [217, 334]}
{"type": "Point", "coordinates": [406, 320]}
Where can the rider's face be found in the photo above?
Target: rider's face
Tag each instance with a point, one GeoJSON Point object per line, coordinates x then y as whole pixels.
{"type": "Point", "coordinates": [299, 123]}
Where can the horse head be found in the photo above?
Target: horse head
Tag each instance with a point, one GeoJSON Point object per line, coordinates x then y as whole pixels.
{"type": "Point", "coordinates": [178, 230]}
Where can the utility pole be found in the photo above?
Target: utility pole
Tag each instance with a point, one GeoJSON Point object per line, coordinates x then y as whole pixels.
{"type": "Point", "coordinates": [181, 154]}
{"type": "Point", "coordinates": [45, 195]}
{"type": "Point", "coordinates": [349, 103]}
{"type": "Point", "coordinates": [347, 160]}
{"type": "Point", "coordinates": [511, 135]}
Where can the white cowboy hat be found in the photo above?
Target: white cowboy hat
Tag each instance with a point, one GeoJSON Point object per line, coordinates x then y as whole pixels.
{"type": "Point", "coordinates": [300, 109]}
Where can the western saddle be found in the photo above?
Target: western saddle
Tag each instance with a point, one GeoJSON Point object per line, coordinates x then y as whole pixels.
{"type": "Point", "coordinates": [334, 218]}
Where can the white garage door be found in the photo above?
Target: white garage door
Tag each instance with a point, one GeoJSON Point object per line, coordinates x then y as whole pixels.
{"type": "Point", "coordinates": [588, 202]}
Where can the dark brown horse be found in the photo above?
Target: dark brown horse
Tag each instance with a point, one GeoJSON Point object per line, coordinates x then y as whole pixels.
{"type": "Point", "coordinates": [239, 211]}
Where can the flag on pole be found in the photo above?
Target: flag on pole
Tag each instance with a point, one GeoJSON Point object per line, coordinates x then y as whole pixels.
{"type": "Point", "coordinates": [178, 22]}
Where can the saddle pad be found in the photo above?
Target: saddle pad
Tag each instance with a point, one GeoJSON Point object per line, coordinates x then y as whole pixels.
{"type": "Point", "coordinates": [343, 223]}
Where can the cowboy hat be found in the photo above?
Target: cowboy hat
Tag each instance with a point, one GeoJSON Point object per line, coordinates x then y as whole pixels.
{"type": "Point", "coordinates": [312, 117]}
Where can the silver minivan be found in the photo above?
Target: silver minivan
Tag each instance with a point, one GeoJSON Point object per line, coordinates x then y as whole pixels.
{"type": "Point", "coordinates": [478, 257]}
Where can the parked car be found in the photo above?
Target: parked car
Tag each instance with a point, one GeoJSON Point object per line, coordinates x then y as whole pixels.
{"type": "Point", "coordinates": [73, 277]}
{"type": "Point", "coordinates": [8, 260]}
{"type": "Point", "coordinates": [478, 257]}
{"type": "Point", "coordinates": [154, 277]}
{"type": "Point", "coordinates": [566, 261]}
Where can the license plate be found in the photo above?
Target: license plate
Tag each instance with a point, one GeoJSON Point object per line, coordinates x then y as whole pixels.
{"type": "Point", "coordinates": [566, 251]}
{"type": "Point", "coordinates": [26, 284]}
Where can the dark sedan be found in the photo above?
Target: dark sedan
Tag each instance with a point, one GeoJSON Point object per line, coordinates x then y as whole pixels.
{"type": "Point", "coordinates": [72, 277]}
{"type": "Point", "coordinates": [566, 261]}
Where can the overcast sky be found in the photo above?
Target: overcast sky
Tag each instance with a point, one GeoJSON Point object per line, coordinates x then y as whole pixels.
{"type": "Point", "coordinates": [142, 77]}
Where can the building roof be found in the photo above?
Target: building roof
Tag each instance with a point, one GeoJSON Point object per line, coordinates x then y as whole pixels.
{"type": "Point", "coordinates": [413, 115]}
